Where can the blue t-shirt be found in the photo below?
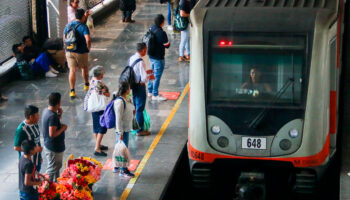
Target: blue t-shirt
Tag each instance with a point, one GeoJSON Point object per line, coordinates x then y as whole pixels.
{"type": "Point", "coordinates": [82, 30]}
{"type": "Point", "coordinates": [56, 144]}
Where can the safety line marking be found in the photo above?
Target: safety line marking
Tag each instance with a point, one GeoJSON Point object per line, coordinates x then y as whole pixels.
{"type": "Point", "coordinates": [154, 144]}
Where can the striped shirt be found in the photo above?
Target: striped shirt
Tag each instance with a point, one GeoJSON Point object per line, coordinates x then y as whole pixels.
{"type": "Point", "coordinates": [29, 132]}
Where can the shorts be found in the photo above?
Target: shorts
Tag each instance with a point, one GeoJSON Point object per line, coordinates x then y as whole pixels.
{"type": "Point", "coordinates": [96, 123]}
{"type": "Point", "coordinates": [77, 59]}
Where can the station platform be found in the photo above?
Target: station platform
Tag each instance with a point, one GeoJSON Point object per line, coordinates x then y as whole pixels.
{"type": "Point", "coordinates": [155, 155]}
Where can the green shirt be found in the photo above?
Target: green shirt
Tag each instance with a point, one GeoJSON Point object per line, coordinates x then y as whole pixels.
{"type": "Point", "coordinates": [29, 132]}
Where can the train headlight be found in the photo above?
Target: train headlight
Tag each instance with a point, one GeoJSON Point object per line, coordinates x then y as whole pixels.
{"type": "Point", "coordinates": [293, 133]}
{"type": "Point", "coordinates": [285, 144]}
{"type": "Point", "coordinates": [215, 129]}
{"type": "Point", "coordinates": [223, 141]}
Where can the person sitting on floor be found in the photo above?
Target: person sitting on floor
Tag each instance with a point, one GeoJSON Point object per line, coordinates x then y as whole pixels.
{"type": "Point", "coordinates": [31, 50]}
{"type": "Point", "coordinates": [41, 64]}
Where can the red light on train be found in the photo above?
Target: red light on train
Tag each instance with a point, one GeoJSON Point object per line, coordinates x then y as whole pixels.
{"type": "Point", "coordinates": [222, 43]}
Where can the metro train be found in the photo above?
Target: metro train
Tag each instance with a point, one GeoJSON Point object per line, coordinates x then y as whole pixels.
{"type": "Point", "coordinates": [264, 88]}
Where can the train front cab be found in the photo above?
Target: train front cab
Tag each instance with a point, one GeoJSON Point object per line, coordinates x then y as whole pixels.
{"type": "Point", "coordinates": [263, 89]}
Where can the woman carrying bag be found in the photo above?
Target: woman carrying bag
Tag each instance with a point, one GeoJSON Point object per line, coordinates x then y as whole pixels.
{"type": "Point", "coordinates": [123, 109]}
{"type": "Point", "coordinates": [95, 100]}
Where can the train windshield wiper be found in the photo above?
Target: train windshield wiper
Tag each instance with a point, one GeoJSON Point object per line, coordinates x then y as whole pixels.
{"type": "Point", "coordinates": [256, 121]}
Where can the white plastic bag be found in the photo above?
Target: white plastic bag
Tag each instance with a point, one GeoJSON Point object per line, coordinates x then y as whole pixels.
{"type": "Point", "coordinates": [94, 102]}
{"type": "Point", "coordinates": [121, 155]}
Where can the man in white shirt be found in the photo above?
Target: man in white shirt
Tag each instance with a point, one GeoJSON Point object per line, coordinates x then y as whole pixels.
{"type": "Point", "coordinates": [139, 92]}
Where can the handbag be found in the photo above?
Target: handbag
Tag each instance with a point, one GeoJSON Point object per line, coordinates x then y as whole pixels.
{"type": "Point", "coordinates": [94, 102]}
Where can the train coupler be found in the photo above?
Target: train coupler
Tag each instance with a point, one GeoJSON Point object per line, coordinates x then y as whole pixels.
{"type": "Point", "coordinates": [251, 186]}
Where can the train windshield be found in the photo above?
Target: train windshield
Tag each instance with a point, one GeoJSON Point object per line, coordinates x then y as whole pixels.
{"type": "Point", "coordinates": [253, 70]}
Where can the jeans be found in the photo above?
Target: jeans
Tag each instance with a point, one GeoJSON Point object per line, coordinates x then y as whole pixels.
{"type": "Point", "coordinates": [54, 165]}
{"type": "Point", "coordinates": [169, 14]}
{"type": "Point", "coordinates": [158, 68]}
{"type": "Point", "coordinates": [125, 138]}
{"type": "Point", "coordinates": [185, 42]}
{"type": "Point", "coordinates": [28, 196]}
{"type": "Point", "coordinates": [127, 15]}
{"type": "Point", "coordinates": [42, 64]}
{"type": "Point", "coordinates": [139, 98]}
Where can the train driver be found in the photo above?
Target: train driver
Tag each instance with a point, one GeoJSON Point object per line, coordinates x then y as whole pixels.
{"type": "Point", "coordinates": [254, 82]}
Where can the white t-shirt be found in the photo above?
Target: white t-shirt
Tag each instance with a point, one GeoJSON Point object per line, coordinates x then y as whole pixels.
{"type": "Point", "coordinates": [71, 14]}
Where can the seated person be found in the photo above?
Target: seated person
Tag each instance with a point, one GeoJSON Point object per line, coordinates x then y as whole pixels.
{"type": "Point", "coordinates": [254, 82]}
{"type": "Point", "coordinates": [30, 49]}
{"type": "Point", "coordinates": [41, 64]}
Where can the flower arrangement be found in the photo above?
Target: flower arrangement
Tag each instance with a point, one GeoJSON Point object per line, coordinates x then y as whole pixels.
{"type": "Point", "coordinates": [75, 182]}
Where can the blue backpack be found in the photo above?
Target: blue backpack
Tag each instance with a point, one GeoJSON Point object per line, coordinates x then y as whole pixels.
{"type": "Point", "coordinates": [107, 119]}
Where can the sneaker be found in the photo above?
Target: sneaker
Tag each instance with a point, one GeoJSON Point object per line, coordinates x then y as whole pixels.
{"type": "Point", "coordinates": [72, 94]}
{"type": "Point", "coordinates": [86, 88]}
{"type": "Point", "coordinates": [54, 71]}
{"type": "Point", "coordinates": [143, 133]}
{"type": "Point", "coordinates": [100, 153]}
{"type": "Point", "coordinates": [170, 28]}
{"type": "Point", "coordinates": [149, 94]}
{"type": "Point", "coordinates": [103, 147]}
{"type": "Point", "coordinates": [126, 173]}
{"type": "Point", "coordinates": [130, 21]}
{"type": "Point", "coordinates": [116, 170]}
{"type": "Point", "coordinates": [158, 98]}
{"type": "Point", "coordinates": [50, 74]}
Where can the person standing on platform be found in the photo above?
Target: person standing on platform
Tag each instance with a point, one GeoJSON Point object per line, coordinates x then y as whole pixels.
{"type": "Point", "coordinates": [185, 8]}
{"type": "Point", "coordinates": [29, 130]}
{"type": "Point", "coordinates": [54, 135]}
{"type": "Point", "coordinates": [96, 85]}
{"type": "Point", "coordinates": [127, 7]}
{"type": "Point", "coordinates": [139, 92]}
{"type": "Point", "coordinates": [79, 57]}
{"type": "Point", "coordinates": [123, 109]}
{"type": "Point", "coordinates": [27, 172]}
{"type": "Point", "coordinates": [172, 5]}
{"type": "Point", "coordinates": [157, 57]}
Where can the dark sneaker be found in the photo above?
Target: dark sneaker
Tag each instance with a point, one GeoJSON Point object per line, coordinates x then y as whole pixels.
{"type": "Point", "coordinates": [116, 170]}
{"type": "Point", "coordinates": [103, 147]}
{"type": "Point", "coordinates": [100, 153]}
{"type": "Point", "coordinates": [126, 173]}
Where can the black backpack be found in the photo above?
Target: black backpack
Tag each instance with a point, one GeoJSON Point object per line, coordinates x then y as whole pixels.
{"type": "Point", "coordinates": [128, 75]}
{"type": "Point", "coordinates": [70, 39]}
{"type": "Point", "coordinates": [151, 42]}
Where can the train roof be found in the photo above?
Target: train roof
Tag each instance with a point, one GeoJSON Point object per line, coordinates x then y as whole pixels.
{"type": "Point", "coordinates": [320, 4]}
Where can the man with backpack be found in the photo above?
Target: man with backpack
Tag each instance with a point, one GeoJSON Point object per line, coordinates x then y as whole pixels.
{"type": "Point", "coordinates": [156, 51]}
{"type": "Point", "coordinates": [77, 44]}
{"type": "Point", "coordinates": [139, 90]}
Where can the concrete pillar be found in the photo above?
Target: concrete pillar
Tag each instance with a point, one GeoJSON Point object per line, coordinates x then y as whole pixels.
{"type": "Point", "coordinates": [56, 17]}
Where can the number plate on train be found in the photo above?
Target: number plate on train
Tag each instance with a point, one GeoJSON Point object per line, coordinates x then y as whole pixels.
{"type": "Point", "coordinates": [253, 143]}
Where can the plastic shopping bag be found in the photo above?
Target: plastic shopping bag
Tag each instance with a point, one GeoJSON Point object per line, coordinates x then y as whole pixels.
{"type": "Point", "coordinates": [147, 121]}
{"type": "Point", "coordinates": [121, 155]}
